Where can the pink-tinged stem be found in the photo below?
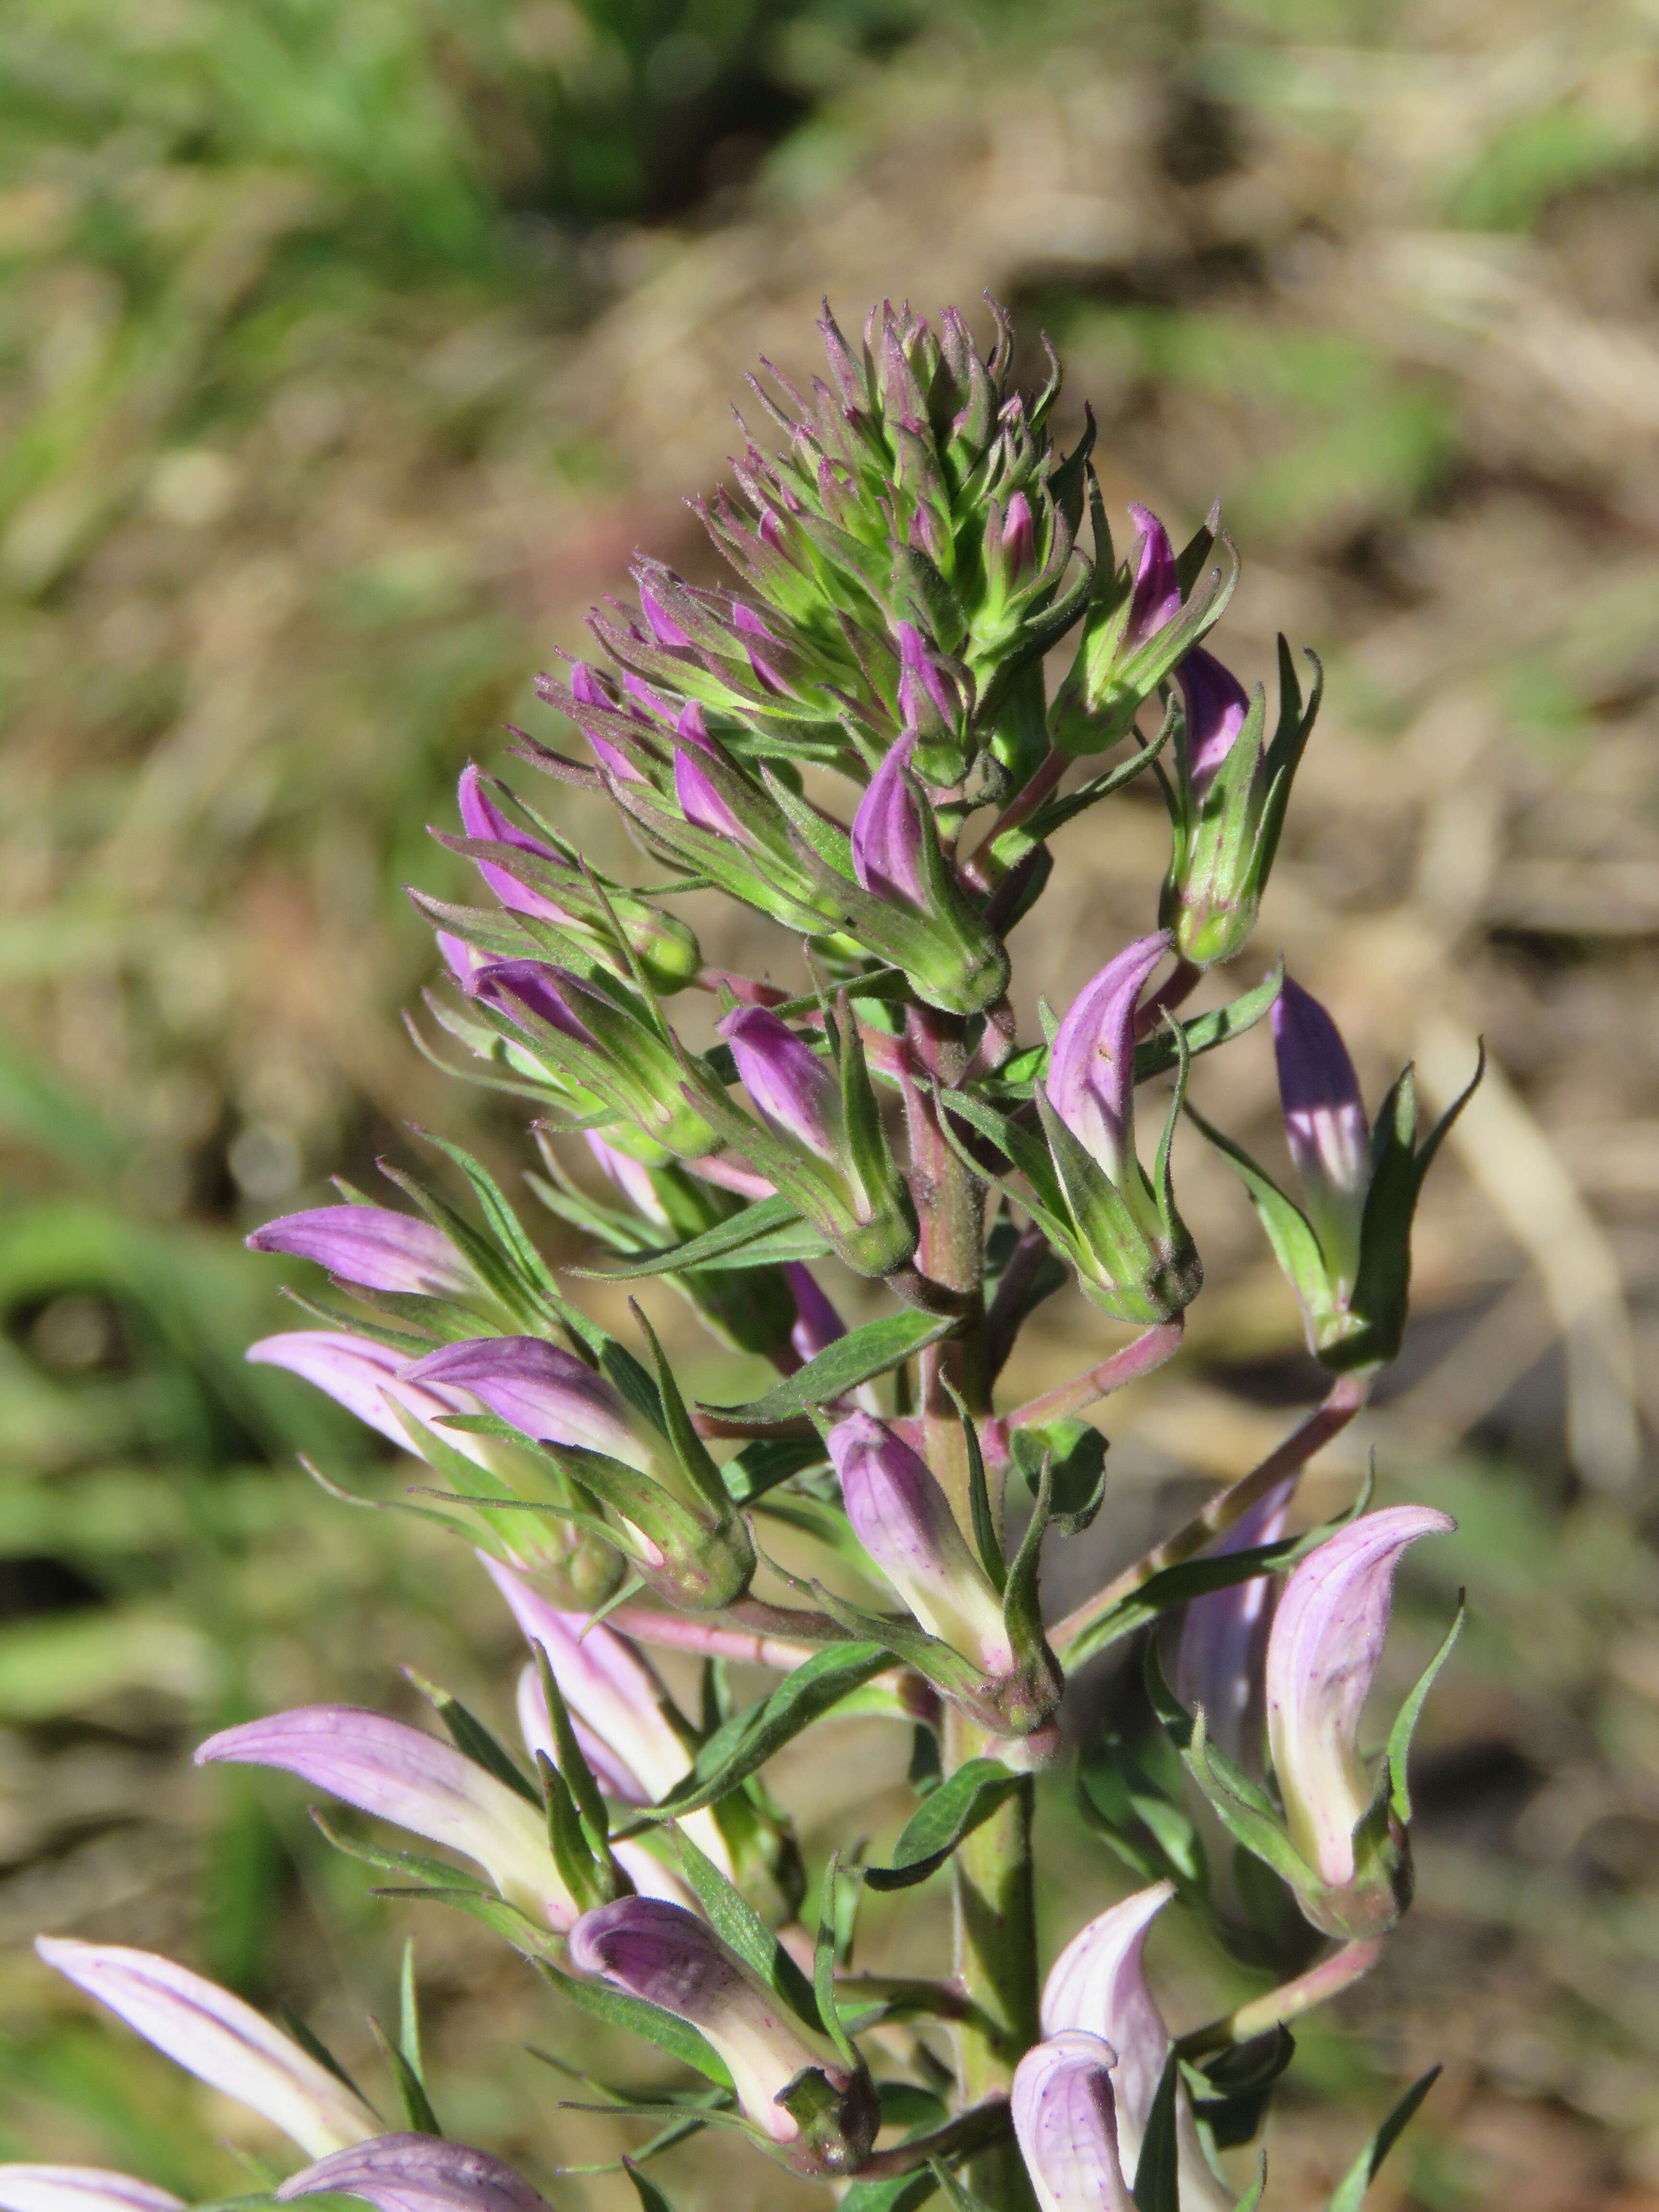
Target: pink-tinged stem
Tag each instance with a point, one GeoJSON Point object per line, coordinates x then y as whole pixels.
{"type": "Point", "coordinates": [759, 1643]}
{"type": "Point", "coordinates": [1289, 2002]}
{"type": "Point", "coordinates": [980, 869]}
{"type": "Point", "coordinates": [1346, 1397]}
{"type": "Point", "coordinates": [748, 990]}
{"type": "Point", "coordinates": [1149, 1350]}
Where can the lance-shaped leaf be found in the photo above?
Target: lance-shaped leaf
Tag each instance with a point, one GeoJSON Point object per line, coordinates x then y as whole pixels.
{"type": "Point", "coordinates": [1098, 1984]}
{"type": "Point", "coordinates": [1351, 2189]}
{"type": "Point", "coordinates": [80, 2189]}
{"type": "Point", "coordinates": [859, 1355]}
{"type": "Point", "coordinates": [948, 1813]}
{"type": "Point", "coordinates": [1327, 1641]}
{"type": "Point", "coordinates": [398, 1774]}
{"type": "Point", "coordinates": [370, 1246]}
{"type": "Point", "coordinates": [670, 1960]}
{"type": "Point", "coordinates": [416, 2173]}
{"type": "Point", "coordinates": [1066, 2124]}
{"type": "Point", "coordinates": [220, 2039]}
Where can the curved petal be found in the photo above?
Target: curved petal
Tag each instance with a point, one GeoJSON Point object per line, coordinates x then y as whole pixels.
{"type": "Point", "coordinates": [362, 1376]}
{"type": "Point", "coordinates": [887, 832]}
{"type": "Point", "coordinates": [220, 2039]}
{"type": "Point", "coordinates": [1224, 1638]}
{"type": "Point", "coordinates": [79, 2188]}
{"type": "Point", "coordinates": [371, 1246]}
{"type": "Point", "coordinates": [1090, 1078]}
{"type": "Point", "coordinates": [418, 2173]}
{"type": "Point", "coordinates": [793, 1088]}
{"type": "Point", "coordinates": [534, 1386]}
{"type": "Point", "coordinates": [1066, 2125]}
{"type": "Point", "coordinates": [1328, 1637]}
{"type": "Point", "coordinates": [1216, 704]}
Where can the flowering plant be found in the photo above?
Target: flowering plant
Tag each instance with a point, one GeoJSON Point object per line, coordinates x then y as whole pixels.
{"type": "Point", "coordinates": [857, 739]}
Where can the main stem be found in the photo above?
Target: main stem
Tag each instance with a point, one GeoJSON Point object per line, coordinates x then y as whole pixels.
{"type": "Point", "coordinates": [994, 1899]}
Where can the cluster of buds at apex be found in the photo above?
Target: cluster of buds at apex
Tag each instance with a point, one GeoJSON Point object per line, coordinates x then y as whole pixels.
{"type": "Point", "coordinates": [603, 1049]}
{"type": "Point", "coordinates": [397, 1773]}
{"type": "Point", "coordinates": [220, 2039]}
{"type": "Point", "coordinates": [918, 487]}
{"type": "Point", "coordinates": [798, 2092]}
{"type": "Point", "coordinates": [1346, 1250]}
{"type": "Point", "coordinates": [980, 1650]}
{"type": "Point", "coordinates": [1227, 801]}
{"type": "Point", "coordinates": [820, 1141]}
{"type": "Point", "coordinates": [1143, 619]}
{"type": "Point", "coordinates": [541, 880]}
{"type": "Point", "coordinates": [1083, 2097]}
{"type": "Point", "coordinates": [544, 1447]}
{"type": "Point", "coordinates": [1338, 1834]}
{"type": "Point", "coordinates": [415, 2174]}
{"type": "Point", "coordinates": [1134, 1258]}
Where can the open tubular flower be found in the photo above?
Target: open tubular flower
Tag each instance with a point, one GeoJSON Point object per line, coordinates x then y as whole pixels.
{"type": "Point", "coordinates": [1098, 1986]}
{"type": "Point", "coordinates": [1227, 801]}
{"type": "Point", "coordinates": [1066, 2124]}
{"type": "Point", "coordinates": [398, 1774]}
{"type": "Point", "coordinates": [1134, 1255]}
{"type": "Point", "coordinates": [1346, 1248]}
{"type": "Point", "coordinates": [792, 2084]}
{"type": "Point", "coordinates": [220, 2040]}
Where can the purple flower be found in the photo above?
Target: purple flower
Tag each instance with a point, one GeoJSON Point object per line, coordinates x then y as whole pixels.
{"type": "Point", "coordinates": [482, 819]}
{"type": "Point", "coordinates": [700, 800]}
{"type": "Point", "coordinates": [903, 1520]}
{"type": "Point", "coordinates": [1155, 599]}
{"type": "Point", "coordinates": [630, 1176]}
{"type": "Point", "coordinates": [1216, 704]}
{"type": "Point", "coordinates": [552, 992]}
{"type": "Point", "coordinates": [398, 1774]}
{"type": "Point", "coordinates": [1325, 1126]}
{"type": "Point", "coordinates": [1019, 535]}
{"type": "Point", "coordinates": [888, 832]}
{"type": "Point", "coordinates": [1224, 1637]}
{"type": "Point", "coordinates": [1090, 1079]}
{"type": "Point", "coordinates": [535, 1386]}
{"type": "Point", "coordinates": [667, 1956]}
{"type": "Point", "coordinates": [417, 2173]}
{"type": "Point", "coordinates": [818, 1324]}
{"type": "Point", "coordinates": [1066, 2124]}
{"type": "Point", "coordinates": [927, 699]}
{"type": "Point", "coordinates": [372, 1247]}
{"type": "Point", "coordinates": [367, 1380]}
{"type": "Point", "coordinates": [664, 628]}
{"type": "Point", "coordinates": [220, 2039]}
{"type": "Point", "coordinates": [1328, 1637]}
{"type": "Point", "coordinates": [795, 1089]}
{"type": "Point", "coordinates": [79, 2188]}
{"type": "Point", "coordinates": [1098, 1985]}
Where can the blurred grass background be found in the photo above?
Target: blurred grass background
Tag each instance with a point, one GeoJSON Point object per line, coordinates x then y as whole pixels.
{"type": "Point", "coordinates": [346, 350]}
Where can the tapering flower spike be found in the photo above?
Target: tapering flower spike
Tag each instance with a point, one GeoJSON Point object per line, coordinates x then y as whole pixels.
{"type": "Point", "coordinates": [1327, 1640]}
{"type": "Point", "coordinates": [823, 1145]}
{"type": "Point", "coordinates": [1223, 1639]}
{"type": "Point", "coordinates": [372, 1248]}
{"type": "Point", "coordinates": [1346, 1248]}
{"type": "Point", "coordinates": [1227, 802]}
{"type": "Point", "coordinates": [220, 2039]}
{"type": "Point", "coordinates": [399, 1774]}
{"type": "Point", "coordinates": [903, 1520]}
{"type": "Point", "coordinates": [1066, 2125]}
{"type": "Point", "coordinates": [80, 2189]}
{"type": "Point", "coordinates": [1140, 625]}
{"type": "Point", "coordinates": [792, 2085]}
{"type": "Point", "coordinates": [1098, 1985]}
{"type": "Point", "coordinates": [416, 2173]}
{"type": "Point", "coordinates": [1133, 1256]}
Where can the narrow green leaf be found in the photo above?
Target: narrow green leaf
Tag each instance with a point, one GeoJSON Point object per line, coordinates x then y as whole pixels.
{"type": "Point", "coordinates": [617, 2008]}
{"type": "Point", "coordinates": [1351, 2189]}
{"type": "Point", "coordinates": [825, 1953]}
{"type": "Point", "coordinates": [857, 1357]}
{"type": "Point", "coordinates": [1156, 2187]}
{"type": "Point", "coordinates": [474, 1739]}
{"type": "Point", "coordinates": [766, 1218]}
{"type": "Point", "coordinates": [651, 2198]}
{"type": "Point", "coordinates": [1404, 1726]}
{"type": "Point", "coordinates": [979, 1498]}
{"type": "Point", "coordinates": [737, 1924]}
{"type": "Point", "coordinates": [418, 2115]}
{"type": "Point", "coordinates": [409, 2011]}
{"type": "Point", "coordinates": [950, 1812]}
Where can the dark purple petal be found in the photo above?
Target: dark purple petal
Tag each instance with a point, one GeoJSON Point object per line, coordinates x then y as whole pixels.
{"type": "Point", "coordinates": [481, 817]}
{"type": "Point", "coordinates": [1215, 704]}
{"type": "Point", "coordinates": [817, 1324]}
{"type": "Point", "coordinates": [1155, 599]}
{"type": "Point", "coordinates": [793, 1088]}
{"type": "Point", "coordinates": [1328, 1637]}
{"type": "Point", "coordinates": [1090, 1079]}
{"type": "Point", "coordinates": [664, 628]}
{"type": "Point", "coordinates": [552, 992]}
{"type": "Point", "coordinates": [417, 2173]}
{"type": "Point", "coordinates": [888, 832]}
{"type": "Point", "coordinates": [701, 801]}
{"type": "Point", "coordinates": [1325, 1124]}
{"type": "Point", "coordinates": [371, 1246]}
{"type": "Point", "coordinates": [925, 694]}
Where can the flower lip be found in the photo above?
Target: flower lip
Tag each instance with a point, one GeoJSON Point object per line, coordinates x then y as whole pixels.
{"type": "Point", "coordinates": [371, 1247]}
{"type": "Point", "coordinates": [1328, 1638]}
{"type": "Point", "coordinates": [80, 2189]}
{"type": "Point", "coordinates": [1066, 2124]}
{"type": "Point", "coordinates": [215, 2036]}
{"type": "Point", "coordinates": [417, 2173]}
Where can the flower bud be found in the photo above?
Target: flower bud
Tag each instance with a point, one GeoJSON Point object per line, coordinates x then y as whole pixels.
{"type": "Point", "coordinates": [1227, 803]}
{"type": "Point", "coordinates": [1133, 1256]}
{"type": "Point", "coordinates": [1326, 1129]}
{"type": "Point", "coordinates": [666, 1955]}
{"type": "Point", "coordinates": [217, 2038]}
{"type": "Point", "coordinates": [1224, 1638]}
{"type": "Point", "coordinates": [397, 1774]}
{"type": "Point", "coordinates": [1328, 1638]}
{"type": "Point", "coordinates": [80, 2189]}
{"type": "Point", "coordinates": [374, 1248]}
